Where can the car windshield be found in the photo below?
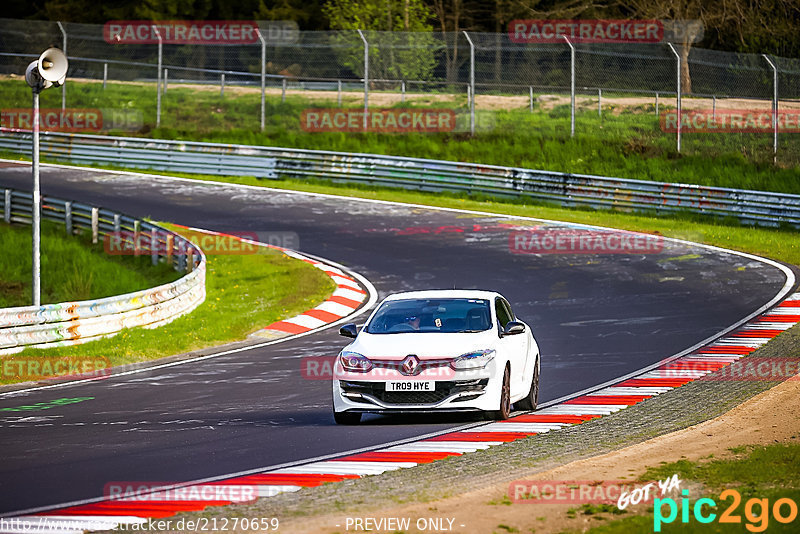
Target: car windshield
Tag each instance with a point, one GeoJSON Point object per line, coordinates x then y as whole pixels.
{"type": "Point", "coordinates": [451, 315]}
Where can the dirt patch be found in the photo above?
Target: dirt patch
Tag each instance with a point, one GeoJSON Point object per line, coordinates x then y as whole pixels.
{"type": "Point", "coordinates": [610, 104]}
{"type": "Point", "coordinates": [766, 418]}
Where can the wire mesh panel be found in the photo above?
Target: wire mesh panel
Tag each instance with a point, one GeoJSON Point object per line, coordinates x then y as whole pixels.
{"type": "Point", "coordinates": [628, 87]}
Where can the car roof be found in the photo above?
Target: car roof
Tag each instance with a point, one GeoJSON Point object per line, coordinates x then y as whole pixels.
{"type": "Point", "coordinates": [445, 293]}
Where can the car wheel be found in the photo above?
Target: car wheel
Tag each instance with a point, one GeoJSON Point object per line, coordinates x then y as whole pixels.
{"type": "Point", "coordinates": [347, 418]}
{"type": "Point", "coordinates": [531, 400]}
{"type": "Point", "coordinates": [505, 399]}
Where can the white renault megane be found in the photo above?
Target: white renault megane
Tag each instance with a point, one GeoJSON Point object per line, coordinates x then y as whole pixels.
{"type": "Point", "coordinates": [438, 350]}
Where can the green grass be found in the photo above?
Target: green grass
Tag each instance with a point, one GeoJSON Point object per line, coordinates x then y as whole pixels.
{"type": "Point", "coordinates": [72, 268]}
{"type": "Point", "coordinates": [623, 143]}
{"type": "Point", "coordinates": [243, 293]}
{"type": "Point", "coordinates": [765, 472]}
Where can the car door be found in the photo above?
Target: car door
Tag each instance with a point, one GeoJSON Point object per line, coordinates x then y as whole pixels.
{"type": "Point", "coordinates": [513, 347]}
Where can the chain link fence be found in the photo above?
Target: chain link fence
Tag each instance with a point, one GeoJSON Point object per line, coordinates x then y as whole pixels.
{"type": "Point", "coordinates": [633, 86]}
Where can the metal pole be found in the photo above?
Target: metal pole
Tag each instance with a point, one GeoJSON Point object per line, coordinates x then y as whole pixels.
{"type": "Point", "coordinates": [166, 80]}
{"type": "Point", "coordinates": [263, 75]}
{"type": "Point", "coordinates": [403, 91]}
{"type": "Point", "coordinates": [105, 74]}
{"type": "Point", "coordinates": [530, 97]}
{"type": "Point", "coordinates": [714, 107]}
{"type": "Point", "coordinates": [471, 84]}
{"type": "Point", "coordinates": [283, 90]}
{"type": "Point", "coordinates": [571, 86]}
{"type": "Point", "coordinates": [158, 82]}
{"type": "Point", "coordinates": [774, 107]}
{"type": "Point", "coordinates": [366, 78]}
{"type": "Point", "coordinates": [678, 81]}
{"type": "Point", "coordinates": [63, 49]}
{"type": "Point", "coordinates": [339, 92]}
{"type": "Point", "coordinates": [37, 204]}
{"type": "Point", "coordinates": [656, 103]}
{"type": "Point", "coordinates": [68, 217]}
{"type": "Point", "coordinates": [222, 85]}
{"type": "Point", "coordinates": [599, 102]}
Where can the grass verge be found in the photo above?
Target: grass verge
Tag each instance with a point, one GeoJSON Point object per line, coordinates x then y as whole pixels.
{"type": "Point", "coordinates": [761, 473]}
{"type": "Point", "coordinates": [626, 142]}
{"type": "Point", "coordinates": [243, 293]}
{"type": "Point", "coordinates": [72, 268]}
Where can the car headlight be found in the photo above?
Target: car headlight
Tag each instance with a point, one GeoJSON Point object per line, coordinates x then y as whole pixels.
{"type": "Point", "coordinates": [354, 362]}
{"type": "Point", "coordinates": [473, 360]}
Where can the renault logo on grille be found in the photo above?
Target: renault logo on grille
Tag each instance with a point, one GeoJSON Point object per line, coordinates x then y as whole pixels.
{"type": "Point", "coordinates": [410, 365]}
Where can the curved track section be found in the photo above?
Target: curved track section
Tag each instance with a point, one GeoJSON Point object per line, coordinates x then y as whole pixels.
{"type": "Point", "coordinates": [597, 317]}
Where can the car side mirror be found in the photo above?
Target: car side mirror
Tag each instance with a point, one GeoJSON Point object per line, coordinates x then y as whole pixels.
{"type": "Point", "coordinates": [348, 330]}
{"type": "Point", "coordinates": [513, 328]}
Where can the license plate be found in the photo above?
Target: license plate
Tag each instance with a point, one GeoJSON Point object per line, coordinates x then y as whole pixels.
{"type": "Point", "coordinates": [411, 385]}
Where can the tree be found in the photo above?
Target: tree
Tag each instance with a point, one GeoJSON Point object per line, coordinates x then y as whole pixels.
{"type": "Point", "coordinates": [453, 16]}
{"type": "Point", "coordinates": [392, 54]}
{"type": "Point", "coordinates": [307, 14]}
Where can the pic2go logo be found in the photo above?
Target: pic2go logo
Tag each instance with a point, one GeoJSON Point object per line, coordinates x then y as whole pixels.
{"type": "Point", "coordinates": [756, 511]}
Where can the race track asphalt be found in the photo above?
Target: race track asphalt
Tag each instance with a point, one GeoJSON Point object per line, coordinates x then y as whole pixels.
{"type": "Point", "coordinates": [596, 317]}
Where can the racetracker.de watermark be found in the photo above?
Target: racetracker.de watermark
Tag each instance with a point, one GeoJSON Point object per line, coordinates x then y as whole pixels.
{"type": "Point", "coordinates": [73, 119]}
{"type": "Point", "coordinates": [130, 243]}
{"type": "Point", "coordinates": [322, 368]}
{"type": "Point", "coordinates": [730, 121]}
{"type": "Point", "coordinates": [137, 491]}
{"type": "Point", "coordinates": [604, 31]}
{"type": "Point", "coordinates": [51, 367]}
{"type": "Point", "coordinates": [750, 369]}
{"type": "Point", "coordinates": [200, 31]}
{"type": "Point", "coordinates": [582, 241]}
{"type": "Point", "coordinates": [577, 491]}
{"type": "Point", "coordinates": [390, 120]}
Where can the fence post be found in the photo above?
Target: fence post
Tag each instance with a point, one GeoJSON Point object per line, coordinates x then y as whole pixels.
{"type": "Point", "coordinates": [599, 102]}
{"type": "Point", "coordinates": [68, 216]}
{"type": "Point", "coordinates": [263, 76]}
{"type": "Point", "coordinates": [136, 226]}
{"type": "Point", "coordinates": [169, 245]}
{"type": "Point", "coordinates": [36, 208]}
{"type": "Point", "coordinates": [63, 49]}
{"type": "Point", "coordinates": [166, 80]}
{"type": "Point", "coordinates": [117, 225]}
{"type": "Point", "coordinates": [530, 97]}
{"type": "Point", "coordinates": [222, 84]}
{"type": "Point", "coordinates": [366, 77]}
{"type": "Point", "coordinates": [403, 91]}
{"type": "Point", "coordinates": [7, 206]}
{"type": "Point", "coordinates": [283, 90]}
{"type": "Point", "coordinates": [656, 103]}
{"type": "Point", "coordinates": [714, 107]}
{"type": "Point", "coordinates": [471, 84]}
{"type": "Point", "coordinates": [571, 86]}
{"type": "Point", "coordinates": [158, 81]}
{"type": "Point", "coordinates": [105, 74]}
{"type": "Point", "coordinates": [154, 246]}
{"type": "Point", "coordinates": [339, 92]}
{"type": "Point", "coordinates": [678, 82]}
{"type": "Point", "coordinates": [774, 108]}
{"type": "Point", "coordinates": [95, 225]}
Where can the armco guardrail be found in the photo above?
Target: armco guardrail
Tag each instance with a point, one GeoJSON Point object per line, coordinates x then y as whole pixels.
{"type": "Point", "coordinates": [78, 322]}
{"type": "Point", "coordinates": [568, 190]}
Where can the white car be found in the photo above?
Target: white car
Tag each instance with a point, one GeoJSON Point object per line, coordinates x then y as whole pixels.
{"type": "Point", "coordinates": [437, 350]}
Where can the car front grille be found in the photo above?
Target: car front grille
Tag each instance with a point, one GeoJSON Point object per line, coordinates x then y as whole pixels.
{"type": "Point", "coordinates": [443, 390]}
